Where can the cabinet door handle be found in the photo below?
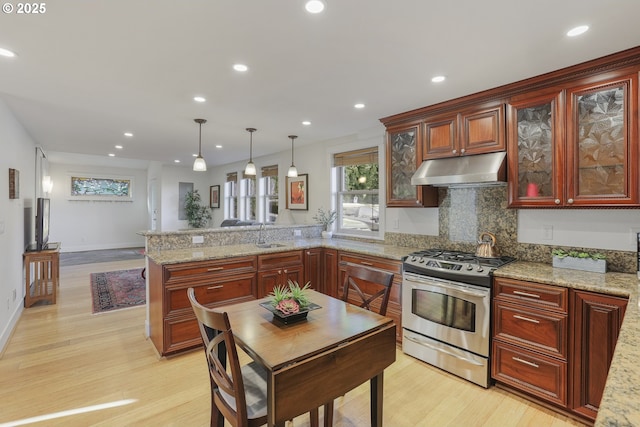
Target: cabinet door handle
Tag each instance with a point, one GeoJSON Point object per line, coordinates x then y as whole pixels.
{"type": "Point", "coordinates": [215, 269]}
{"type": "Point", "coordinates": [279, 271]}
{"type": "Point", "coordinates": [285, 272]}
{"type": "Point", "coordinates": [366, 263]}
{"type": "Point", "coordinates": [211, 288]}
{"type": "Point", "coordinates": [570, 201]}
{"type": "Point", "coordinates": [556, 201]}
{"type": "Point", "coordinates": [462, 151]}
{"type": "Point", "coordinates": [526, 319]}
{"type": "Point", "coordinates": [454, 151]}
{"type": "Point", "coordinates": [526, 362]}
{"type": "Point", "coordinates": [526, 294]}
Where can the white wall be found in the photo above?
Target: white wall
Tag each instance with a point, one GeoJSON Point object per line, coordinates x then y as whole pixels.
{"type": "Point", "coordinates": [171, 176]}
{"type": "Point", "coordinates": [18, 152]}
{"type": "Point", "coordinates": [81, 225]}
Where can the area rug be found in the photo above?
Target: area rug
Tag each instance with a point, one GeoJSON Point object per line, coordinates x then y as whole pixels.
{"type": "Point", "coordinates": [115, 290]}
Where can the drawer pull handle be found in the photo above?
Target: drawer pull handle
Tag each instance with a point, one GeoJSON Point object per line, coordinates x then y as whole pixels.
{"type": "Point", "coordinates": [366, 263]}
{"type": "Point", "coordinates": [526, 319]}
{"type": "Point", "coordinates": [526, 294]}
{"type": "Point", "coordinates": [211, 288]}
{"type": "Point", "coordinates": [526, 362]}
{"type": "Point", "coordinates": [215, 269]}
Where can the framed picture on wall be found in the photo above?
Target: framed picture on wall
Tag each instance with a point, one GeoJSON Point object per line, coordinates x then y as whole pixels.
{"type": "Point", "coordinates": [298, 192]}
{"type": "Point", "coordinates": [214, 196]}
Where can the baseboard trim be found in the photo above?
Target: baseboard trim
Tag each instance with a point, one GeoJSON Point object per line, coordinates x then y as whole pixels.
{"type": "Point", "coordinates": [7, 332]}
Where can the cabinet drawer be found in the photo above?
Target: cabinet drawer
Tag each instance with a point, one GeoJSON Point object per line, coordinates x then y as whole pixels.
{"type": "Point", "coordinates": [381, 263]}
{"type": "Point", "coordinates": [193, 271]}
{"type": "Point", "coordinates": [181, 333]}
{"type": "Point", "coordinates": [533, 294]}
{"type": "Point", "coordinates": [221, 290]}
{"type": "Point", "coordinates": [281, 259]}
{"type": "Point", "coordinates": [533, 373]}
{"type": "Point", "coordinates": [538, 330]}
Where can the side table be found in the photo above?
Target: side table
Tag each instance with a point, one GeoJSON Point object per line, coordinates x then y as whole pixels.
{"type": "Point", "coordinates": [42, 274]}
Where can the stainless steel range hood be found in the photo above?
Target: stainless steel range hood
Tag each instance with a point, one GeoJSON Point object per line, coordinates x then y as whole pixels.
{"type": "Point", "coordinates": [480, 169]}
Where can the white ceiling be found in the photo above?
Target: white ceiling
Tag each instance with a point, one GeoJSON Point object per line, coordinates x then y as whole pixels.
{"type": "Point", "coordinates": [87, 71]}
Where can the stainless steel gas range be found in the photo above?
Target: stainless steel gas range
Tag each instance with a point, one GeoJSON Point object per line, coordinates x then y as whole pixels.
{"type": "Point", "coordinates": [446, 311]}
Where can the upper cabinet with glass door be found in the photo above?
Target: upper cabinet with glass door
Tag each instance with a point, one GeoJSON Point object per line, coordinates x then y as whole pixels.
{"type": "Point", "coordinates": [602, 143]}
{"type": "Point", "coordinates": [403, 158]}
{"type": "Point", "coordinates": [575, 148]}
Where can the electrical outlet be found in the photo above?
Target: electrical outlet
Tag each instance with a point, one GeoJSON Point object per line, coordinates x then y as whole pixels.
{"type": "Point", "coordinates": [197, 239]}
{"type": "Point", "coordinates": [547, 232]}
{"type": "Point", "coordinates": [14, 294]}
{"type": "Point", "coordinates": [396, 223]}
{"type": "Point", "coordinates": [1, 227]}
{"type": "Point", "coordinates": [633, 236]}
{"type": "Point", "coordinates": [297, 233]}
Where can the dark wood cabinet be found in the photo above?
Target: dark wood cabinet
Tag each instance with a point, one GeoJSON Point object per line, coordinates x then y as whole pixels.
{"type": "Point", "coordinates": [596, 322]}
{"type": "Point", "coordinates": [173, 327]}
{"type": "Point", "coordinates": [577, 146]}
{"type": "Point", "coordinates": [530, 338]}
{"type": "Point", "coordinates": [313, 273]}
{"type": "Point", "coordinates": [474, 131]}
{"type": "Point", "coordinates": [403, 156]}
{"type": "Point", "coordinates": [394, 309]}
{"type": "Point", "coordinates": [555, 343]}
{"type": "Point", "coordinates": [277, 269]}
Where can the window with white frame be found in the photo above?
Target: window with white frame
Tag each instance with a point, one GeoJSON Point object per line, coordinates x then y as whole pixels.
{"type": "Point", "coordinates": [268, 195]}
{"type": "Point", "coordinates": [230, 197]}
{"type": "Point", "coordinates": [248, 198]}
{"type": "Point", "coordinates": [355, 175]}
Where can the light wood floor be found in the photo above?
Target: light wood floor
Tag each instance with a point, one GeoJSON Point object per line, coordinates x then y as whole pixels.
{"type": "Point", "coordinates": [62, 357]}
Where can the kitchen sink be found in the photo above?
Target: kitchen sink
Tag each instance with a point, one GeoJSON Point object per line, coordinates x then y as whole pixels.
{"type": "Point", "coordinates": [270, 245]}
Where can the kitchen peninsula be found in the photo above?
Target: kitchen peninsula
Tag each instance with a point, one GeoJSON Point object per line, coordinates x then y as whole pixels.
{"type": "Point", "coordinates": [619, 405]}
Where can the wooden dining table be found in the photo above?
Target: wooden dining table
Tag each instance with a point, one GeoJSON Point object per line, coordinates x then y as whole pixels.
{"type": "Point", "coordinates": [311, 362]}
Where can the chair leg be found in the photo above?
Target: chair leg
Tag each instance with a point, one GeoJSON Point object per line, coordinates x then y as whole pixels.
{"type": "Point", "coordinates": [328, 414]}
{"type": "Point", "coordinates": [314, 418]}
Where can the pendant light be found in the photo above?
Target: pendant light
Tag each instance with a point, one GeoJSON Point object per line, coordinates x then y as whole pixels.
{"type": "Point", "coordinates": [250, 169]}
{"type": "Point", "coordinates": [293, 172]}
{"type": "Point", "coordinates": [200, 165]}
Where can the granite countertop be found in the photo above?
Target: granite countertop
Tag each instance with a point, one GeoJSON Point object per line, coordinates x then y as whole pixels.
{"type": "Point", "coordinates": [217, 252]}
{"type": "Point", "coordinates": [620, 405]}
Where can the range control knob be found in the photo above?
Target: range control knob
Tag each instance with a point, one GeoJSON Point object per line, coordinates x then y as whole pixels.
{"type": "Point", "coordinates": [469, 267]}
{"type": "Point", "coordinates": [414, 258]}
{"type": "Point", "coordinates": [479, 269]}
{"type": "Point", "coordinates": [421, 260]}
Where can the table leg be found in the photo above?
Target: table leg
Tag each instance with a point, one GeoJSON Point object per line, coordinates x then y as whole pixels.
{"type": "Point", "coordinates": [376, 399]}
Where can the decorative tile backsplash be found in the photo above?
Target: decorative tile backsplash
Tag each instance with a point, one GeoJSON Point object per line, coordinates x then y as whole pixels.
{"type": "Point", "coordinates": [466, 212]}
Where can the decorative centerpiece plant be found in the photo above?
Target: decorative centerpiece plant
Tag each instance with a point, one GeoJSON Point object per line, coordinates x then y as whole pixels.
{"type": "Point", "coordinates": [326, 218]}
{"type": "Point", "coordinates": [290, 298]}
{"type": "Point", "coordinates": [197, 215]}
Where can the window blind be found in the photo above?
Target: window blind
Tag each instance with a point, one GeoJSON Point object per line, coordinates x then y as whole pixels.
{"type": "Point", "coordinates": [356, 157]}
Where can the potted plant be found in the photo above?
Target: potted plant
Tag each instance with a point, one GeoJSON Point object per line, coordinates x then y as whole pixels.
{"type": "Point", "coordinates": [197, 215]}
{"type": "Point", "coordinates": [578, 260]}
{"type": "Point", "coordinates": [290, 303]}
{"type": "Point", "coordinates": [326, 218]}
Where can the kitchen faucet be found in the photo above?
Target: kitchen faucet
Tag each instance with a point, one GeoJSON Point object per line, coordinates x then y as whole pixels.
{"type": "Point", "coordinates": [260, 237]}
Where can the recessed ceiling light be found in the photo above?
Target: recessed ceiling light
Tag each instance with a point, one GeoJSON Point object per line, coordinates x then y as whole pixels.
{"type": "Point", "coordinates": [199, 98]}
{"type": "Point", "coordinates": [119, 147]}
{"type": "Point", "coordinates": [577, 30]}
{"type": "Point", "coordinates": [176, 161]}
{"type": "Point", "coordinates": [111, 155]}
{"type": "Point", "coordinates": [359, 105]}
{"type": "Point", "coordinates": [438, 79]}
{"type": "Point", "coordinates": [218, 146]}
{"type": "Point", "coordinates": [306, 123]}
{"type": "Point", "coordinates": [7, 53]}
{"type": "Point", "coordinates": [240, 67]}
{"type": "Point", "coordinates": [128, 134]}
{"type": "Point", "coordinates": [315, 6]}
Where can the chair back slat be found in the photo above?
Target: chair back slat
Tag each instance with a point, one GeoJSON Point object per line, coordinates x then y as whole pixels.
{"type": "Point", "coordinates": [356, 276]}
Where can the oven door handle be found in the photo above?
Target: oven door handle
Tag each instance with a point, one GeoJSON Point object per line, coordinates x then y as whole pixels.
{"type": "Point", "coordinates": [442, 350]}
{"type": "Point", "coordinates": [445, 285]}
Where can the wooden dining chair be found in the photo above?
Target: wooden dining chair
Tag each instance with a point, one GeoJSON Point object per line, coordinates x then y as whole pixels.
{"type": "Point", "coordinates": [238, 393]}
{"type": "Point", "coordinates": [368, 288]}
